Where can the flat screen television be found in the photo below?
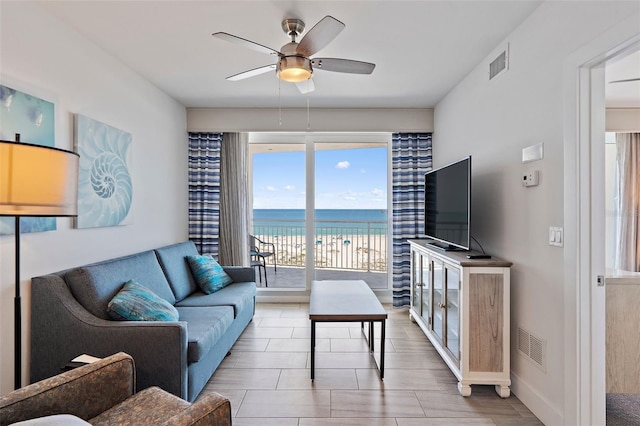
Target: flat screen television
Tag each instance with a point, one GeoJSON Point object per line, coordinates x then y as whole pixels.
{"type": "Point", "coordinates": [447, 205]}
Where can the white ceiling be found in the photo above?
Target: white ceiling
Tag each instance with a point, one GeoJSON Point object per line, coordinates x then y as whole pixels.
{"type": "Point", "coordinates": [624, 94]}
{"type": "Point", "coordinates": [421, 48]}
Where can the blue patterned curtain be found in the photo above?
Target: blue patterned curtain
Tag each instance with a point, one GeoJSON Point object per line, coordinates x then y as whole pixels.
{"type": "Point", "coordinates": [411, 159]}
{"type": "Point", "coordinates": [204, 191]}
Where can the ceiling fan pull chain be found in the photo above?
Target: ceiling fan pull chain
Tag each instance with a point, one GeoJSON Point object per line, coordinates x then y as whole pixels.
{"type": "Point", "coordinates": [308, 116]}
{"type": "Point", "coordinates": [279, 104]}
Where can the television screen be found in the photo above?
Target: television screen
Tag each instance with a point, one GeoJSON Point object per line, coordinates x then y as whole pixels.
{"type": "Point", "coordinates": [447, 214]}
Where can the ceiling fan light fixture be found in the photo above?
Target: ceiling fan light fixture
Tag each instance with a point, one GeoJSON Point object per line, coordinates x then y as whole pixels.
{"type": "Point", "coordinates": [294, 69]}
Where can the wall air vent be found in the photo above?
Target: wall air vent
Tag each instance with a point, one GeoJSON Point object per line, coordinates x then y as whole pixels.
{"type": "Point", "coordinates": [533, 348]}
{"type": "Point", "coordinates": [500, 64]}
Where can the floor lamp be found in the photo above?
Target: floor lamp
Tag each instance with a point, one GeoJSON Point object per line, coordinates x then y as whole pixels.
{"type": "Point", "coordinates": [37, 181]}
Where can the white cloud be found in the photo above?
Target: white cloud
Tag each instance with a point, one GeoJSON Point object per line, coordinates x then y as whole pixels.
{"type": "Point", "coordinates": [376, 192]}
{"type": "Point", "coordinates": [271, 188]}
{"type": "Point", "coordinates": [349, 196]}
{"type": "Point", "coordinates": [343, 165]}
{"type": "Point", "coordinates": [289, 187]}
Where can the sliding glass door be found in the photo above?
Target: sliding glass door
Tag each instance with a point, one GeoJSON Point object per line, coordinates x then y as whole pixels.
{"type": "Point", "coordinates": [279, 213]}
{"type": "Point", "coordinates": [320, 204]}
{"type": "Point", "coordinates": [350, 227]}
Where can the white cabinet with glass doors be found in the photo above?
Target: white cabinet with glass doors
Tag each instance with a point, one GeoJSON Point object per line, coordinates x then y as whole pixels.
{"type": "Point", "coordinates": [462, 305]}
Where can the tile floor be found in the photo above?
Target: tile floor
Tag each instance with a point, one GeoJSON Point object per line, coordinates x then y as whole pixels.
{"type": "Point", "coordinates": [266, 378]}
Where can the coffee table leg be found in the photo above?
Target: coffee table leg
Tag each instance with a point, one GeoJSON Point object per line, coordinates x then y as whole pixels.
{"type": "Point", "coordinates": [313, 348]}
{"type": "Point", "coordinates": [371, 337]}
{"type": "Point", "coordinates": [382, 350]}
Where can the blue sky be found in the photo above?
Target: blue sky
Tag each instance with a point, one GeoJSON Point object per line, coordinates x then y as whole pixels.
{"type": "Point", "coordinates": [345, 179]}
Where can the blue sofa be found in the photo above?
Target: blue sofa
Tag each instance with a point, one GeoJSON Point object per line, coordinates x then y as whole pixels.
{"type": "Point", "coordinates": [69, 317]}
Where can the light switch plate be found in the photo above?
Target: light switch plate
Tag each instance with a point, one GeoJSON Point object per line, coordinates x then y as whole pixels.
{"type": "Point", "coordinates": [556, 236]}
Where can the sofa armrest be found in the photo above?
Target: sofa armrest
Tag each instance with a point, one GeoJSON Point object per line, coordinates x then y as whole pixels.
{"type": "Point", "coordinates": [241, 274]}
{"type": "Point", "coordinates": [62, 329]}
{"type": "Point", "coordinates": [84, 392]}
{"type": "Point", "coordinates": [209, 409]}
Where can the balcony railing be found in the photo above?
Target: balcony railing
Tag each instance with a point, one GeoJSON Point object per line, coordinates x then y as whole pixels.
{"type": "Point", "coordinates": [348, 245]}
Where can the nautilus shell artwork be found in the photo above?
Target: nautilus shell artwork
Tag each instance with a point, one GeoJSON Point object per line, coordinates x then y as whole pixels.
{"type": "Point", "coordinates": [105, 190]}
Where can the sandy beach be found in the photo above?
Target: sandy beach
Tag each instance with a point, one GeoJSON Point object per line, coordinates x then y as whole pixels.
{"type": "Point", "coordinates": [332, 250]}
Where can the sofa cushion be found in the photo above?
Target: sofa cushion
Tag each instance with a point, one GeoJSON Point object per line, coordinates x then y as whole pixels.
{"type": "Point", "coordinates": [95, 285]}
{"type": "Point", "coordinates": [174, 264]}
{"type": "Point", "coordinates": [137, 303]}
{"type": "Point", "coordinates": [209, 275]}
{"type": "Point", "coordinates": [205, 326]}
{"type": "Point", "coordinates": [238, 295]}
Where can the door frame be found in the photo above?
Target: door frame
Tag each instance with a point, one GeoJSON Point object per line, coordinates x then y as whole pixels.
{"type": "Point", "coordinates": [584, 327]}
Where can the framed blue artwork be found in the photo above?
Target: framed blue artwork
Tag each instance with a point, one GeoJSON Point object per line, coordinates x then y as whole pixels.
{"type": "Point", "coordinates": [105, 189]}
{"type": "Point", "coordinates": [34, 119]}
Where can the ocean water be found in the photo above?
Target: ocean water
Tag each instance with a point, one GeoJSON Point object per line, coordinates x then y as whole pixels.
{"type": "Point", "coordinates": [358, 221]}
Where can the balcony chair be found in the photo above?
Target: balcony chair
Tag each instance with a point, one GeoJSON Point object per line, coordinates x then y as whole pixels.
{"type": "Point", "coordinates": [263, 250]}
{"type": "Point", "coordinates": [258, 262]}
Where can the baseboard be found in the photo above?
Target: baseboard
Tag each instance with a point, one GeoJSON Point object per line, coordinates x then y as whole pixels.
{"type": "Point", "coordinates": [535, 402]}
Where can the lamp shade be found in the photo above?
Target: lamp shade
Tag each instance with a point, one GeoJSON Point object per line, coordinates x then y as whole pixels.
{"type": "Point", "coordinates": [37, 180]}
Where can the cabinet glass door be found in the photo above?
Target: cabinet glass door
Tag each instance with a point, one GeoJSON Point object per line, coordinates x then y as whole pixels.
{"type": "Point", "coordinates": [416, 265]}
{"type": "Point", "coordinates": [426, 288]}
{"type": "Point", "coordinates": [453, 310]}
{"type": "Point", "coordinates": [438, 299]}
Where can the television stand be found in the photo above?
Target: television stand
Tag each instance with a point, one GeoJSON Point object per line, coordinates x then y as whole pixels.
{"type": "Point", "coordinates": [463, 306]}
{"type": "Point", "coordinates": [444, 246]}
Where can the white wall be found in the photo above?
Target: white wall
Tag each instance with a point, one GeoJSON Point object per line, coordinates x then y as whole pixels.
{"type": "Point", "coordinates": [623, 120]}
{"type": "Point", "coordinates": [493, 121]}
{"type": "Point", "coordinates": [43, 57]}
{"type": "Point", "coordinates": [320, 120]}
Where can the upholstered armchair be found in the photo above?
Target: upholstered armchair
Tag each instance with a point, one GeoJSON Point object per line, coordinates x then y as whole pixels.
{"type": "Point", "coordinates": [102, 393]}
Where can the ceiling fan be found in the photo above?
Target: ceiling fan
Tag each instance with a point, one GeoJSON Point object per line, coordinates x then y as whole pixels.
{"type": "Point", "coordinates": [294, 62]}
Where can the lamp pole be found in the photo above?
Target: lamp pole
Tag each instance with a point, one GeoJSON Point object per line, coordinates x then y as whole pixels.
{"type": "Point", "coordinates": [18, 313]}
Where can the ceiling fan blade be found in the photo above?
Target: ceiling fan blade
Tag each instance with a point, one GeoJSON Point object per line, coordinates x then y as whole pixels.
{"type": "Point", "coordinates": [320, 35]}
{"type": "Point", "coordinates": [625, 81]}
{"type": "Point", "coordinates": [246, 43]}
{"type": "Point", "coordinates": [252, 73]}
{"type": "Point", "coordinates": [306, 86]}
{"type": "Point", "coordinates": [343, 65]}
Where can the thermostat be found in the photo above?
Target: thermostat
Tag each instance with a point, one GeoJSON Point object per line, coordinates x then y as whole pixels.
{"type": "Point", "coordinates": [530, 179]}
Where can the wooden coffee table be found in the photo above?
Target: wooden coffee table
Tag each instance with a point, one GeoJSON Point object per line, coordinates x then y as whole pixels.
{"type": "Point", "coordinates": [346, 301]}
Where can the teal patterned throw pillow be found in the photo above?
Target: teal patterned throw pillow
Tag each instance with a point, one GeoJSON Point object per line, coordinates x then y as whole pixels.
{"type": "Point", "coordinates": [208, 273]}
{"type": "Point", "coordinates": [135, 302]}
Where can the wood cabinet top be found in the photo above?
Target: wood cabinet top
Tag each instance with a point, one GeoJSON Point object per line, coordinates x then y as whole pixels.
{"type": "Point", "coordinates": [460, 257]}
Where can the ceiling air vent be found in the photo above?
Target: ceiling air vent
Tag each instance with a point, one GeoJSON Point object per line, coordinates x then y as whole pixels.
{"type": "Point", "coordinates": [498, 65]}
{"type": "Point", "coordinates": [533, 348]}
